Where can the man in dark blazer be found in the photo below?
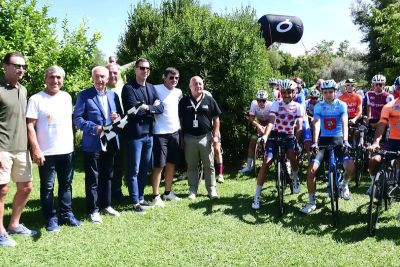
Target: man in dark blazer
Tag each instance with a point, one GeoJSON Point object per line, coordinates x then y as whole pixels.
{"type": "Point", "coordinates": [96, 107]}
{"type": "Point", "coordinates": [141, 102]}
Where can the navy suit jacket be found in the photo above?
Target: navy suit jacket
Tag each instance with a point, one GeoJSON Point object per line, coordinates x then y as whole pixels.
{"type": "Point", "coordinates": [142, 122]}
{"type": "Point", "coordinates": [89, 114]}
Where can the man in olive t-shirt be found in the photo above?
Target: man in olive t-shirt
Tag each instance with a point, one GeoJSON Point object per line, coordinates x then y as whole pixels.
{"type": "Point", "coordinates": [15, 162]}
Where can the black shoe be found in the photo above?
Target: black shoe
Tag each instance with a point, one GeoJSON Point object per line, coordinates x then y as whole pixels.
{"type": "Point", "coordinates": [146, 204]}
{"type": "Point", "coordinates": [70, 220]}
{"type": "Point", "coordinates": [139, 209]}
{"type": "Point", "coordinates": [52, 225]}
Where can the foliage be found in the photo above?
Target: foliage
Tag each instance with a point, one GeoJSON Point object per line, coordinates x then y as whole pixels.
{"type": "Point", "coordinates": [378, 20]}
{"type": "Point", "coordinates": [204, 232]}
{"type": "Point", "coordinates": [29, 30]}
{"type": "Point", "coordinates": [226, 51]}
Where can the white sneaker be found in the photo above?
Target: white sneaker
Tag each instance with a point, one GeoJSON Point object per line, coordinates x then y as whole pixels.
{"type": "Point", "coordinates": [307, 209]}
{"type": "Point", "coordinates": [345, 191]}
{"type": "Point", "coordinates": [158, 202]}
{"type": "Point", "coordinates": [95, 218]}
{"type": "Point", "coordinates": [213, 194]}
{"type": "Point", "coordinates": [220, 179]}
{"type": "Point", "coordinates": [192, 195]}
{"type": "Point", "coordinates": [245, 169]}
{"type": "Point", "coordinates": [256, 203]}
{"type": "Point", "coordinates": [171, 196]}
{"type": "Point", "coordinates": [110, 211]}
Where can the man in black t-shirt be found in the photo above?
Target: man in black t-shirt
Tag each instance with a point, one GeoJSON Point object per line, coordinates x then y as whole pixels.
{"type": "Point", "coordinates": [199, 116]}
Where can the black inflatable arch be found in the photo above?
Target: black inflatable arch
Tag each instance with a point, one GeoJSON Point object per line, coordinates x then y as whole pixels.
{"type": "Point", "coordinates": [281, 29]}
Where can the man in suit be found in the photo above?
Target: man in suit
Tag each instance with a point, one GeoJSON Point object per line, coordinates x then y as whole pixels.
{"type": "Point", "coordinates": [142, 97]}
{"type": "Point", "coordinates": [95, 108]}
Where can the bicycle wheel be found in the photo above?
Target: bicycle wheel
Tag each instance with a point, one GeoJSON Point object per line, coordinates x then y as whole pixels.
{"type": "Point", "coordinates": [279, 186]}
{"type": "Point", "coordinates": [258, 157]}
{"type": "Point", "coordinates": [333, 193]}
{"type": "Point", "coordinates": [375, 202]}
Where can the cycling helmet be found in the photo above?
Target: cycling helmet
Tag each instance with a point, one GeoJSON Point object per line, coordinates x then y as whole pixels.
{"type": "Point", "coordinates": [379, 78]}
{"type": "Point", "coordinates": [329, 84]}
{"type": "Point", "coordinates": [397, 81]}
{"type": "Point", "coordinates": [289, 85]}
{"type": "Point", "coordinates": [314, 93]}
{"type": "Point", "coordinates": [298, 80]}
{"type": "Point", "coordinates": [319, 83]}
{"type": "Point", "coordinates": [272, 81]}
{"type": "Point", "coordinates": [350, 81]}
{"type": "Point", "coordinates": [262, 95]}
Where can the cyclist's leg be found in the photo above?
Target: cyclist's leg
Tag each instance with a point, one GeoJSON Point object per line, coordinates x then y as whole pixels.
{"type": "Point", "coordinates": [250, 154]}
{"type": "Point", "coordinates": [307, 137]}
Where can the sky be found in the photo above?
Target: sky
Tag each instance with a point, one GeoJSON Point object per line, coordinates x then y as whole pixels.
{"type": "Point", "coordinates": [322, 20]}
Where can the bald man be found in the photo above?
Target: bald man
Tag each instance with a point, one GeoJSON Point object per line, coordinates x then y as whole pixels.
{"type": "Point", "coordinates": [199, 116]}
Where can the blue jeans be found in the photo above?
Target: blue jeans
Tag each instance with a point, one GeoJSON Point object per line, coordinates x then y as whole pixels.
{"type": "Point", "coordinates": [138, 157]}
{"type": "Point", "coordinates": [63, 166]}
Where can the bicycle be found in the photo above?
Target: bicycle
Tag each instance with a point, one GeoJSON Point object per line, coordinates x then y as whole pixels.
{"type": "Point", "coordinates": [282, 174]}
{"type": "Point", "coordinates": [383, 188]}
{"type": "Point", "coordinates": [360, 151]}
{"type": "Point", "coordinates": [334, 178]}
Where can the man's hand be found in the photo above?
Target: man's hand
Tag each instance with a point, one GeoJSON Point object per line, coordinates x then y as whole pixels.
{"type": "Point", "coordinates": [373, 147]}
{"type": "Point", "coordinates": [352, 121]}
{"type": "Point", "coordinates": [315, 148]}
{"type": "Point", "coordinates": [37, 156]}
{"type": "Point", "coordinates": [260, 129]}
{"type": "Point", "coordinates": [99, 129]}
{"type": "Point", "coordinates": [114, 116]}
{"type": "Point", "coordinates": [156, 102]}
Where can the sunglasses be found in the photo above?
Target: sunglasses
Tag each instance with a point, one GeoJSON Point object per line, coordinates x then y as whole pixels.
{"type": "Point", "coordinates": [144, 68]}
{"type": "Point", "coordinates": [174, 78]}
{"type": "Point", "coordinates": [314, 98]}
{"type": "Point", "coordinates": [379, 84]}
{"type": "Point", "coordinates": [18, 66]}
{"type": "Point", "coordinates": [349, 85]}
{"type": "Point", "coordinates": [261, 100]}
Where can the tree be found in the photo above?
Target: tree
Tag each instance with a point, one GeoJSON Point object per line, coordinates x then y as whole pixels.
{"type": "Point", "coordinates": [374, 19]}
{"type": "Point", "coordinates": [29, 30]}
{"type": "Point", "coordinates": [226, 51]}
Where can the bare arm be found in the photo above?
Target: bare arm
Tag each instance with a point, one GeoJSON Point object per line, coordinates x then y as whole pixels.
{"type": "Point", "coordinates": [36, 152]}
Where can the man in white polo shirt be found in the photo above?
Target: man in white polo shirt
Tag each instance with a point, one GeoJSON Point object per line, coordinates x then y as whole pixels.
{"type": "Point", "coordinates": [166, 136]}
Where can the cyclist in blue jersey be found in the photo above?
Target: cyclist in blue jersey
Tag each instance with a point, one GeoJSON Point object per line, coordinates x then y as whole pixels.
{"type": "Point", "coordinates": [331, 120]}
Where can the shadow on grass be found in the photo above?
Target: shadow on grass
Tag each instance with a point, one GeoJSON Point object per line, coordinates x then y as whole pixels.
{"type": "Point", "coordinates": [351, 228]}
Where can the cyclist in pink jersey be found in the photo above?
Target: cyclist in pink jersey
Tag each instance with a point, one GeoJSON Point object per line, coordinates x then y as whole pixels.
{"type": "Point", "coordinates": [376, 99]}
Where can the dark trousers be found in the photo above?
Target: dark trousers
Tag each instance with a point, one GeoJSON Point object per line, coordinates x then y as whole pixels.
{"type": "Point", "coordinates": [63, 166]}
{"type": "Point", "coordinates": [119, 167]}
{"type": "Point", "coordinates": [98, 175]}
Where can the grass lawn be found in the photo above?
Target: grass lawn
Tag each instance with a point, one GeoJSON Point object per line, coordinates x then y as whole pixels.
{"type": "Point", "coordinates": [204, 232]}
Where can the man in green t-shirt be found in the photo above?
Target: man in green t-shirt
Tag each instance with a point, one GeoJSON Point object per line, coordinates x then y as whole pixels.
{"type": "Point", "coordinates": [15, 161]}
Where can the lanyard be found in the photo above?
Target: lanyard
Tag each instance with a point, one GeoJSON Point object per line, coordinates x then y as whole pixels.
{"type": "Point", "coordinates": [196, 107]}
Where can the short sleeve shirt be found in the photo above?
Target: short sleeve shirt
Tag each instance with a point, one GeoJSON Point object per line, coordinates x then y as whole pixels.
{"type": "Point", "coordinates": [391, 113]}
{"type": "Point", "coordinates": [207, 110]}
{"type": "Point", "coordinates": [377, 101]}
{"type": "Point", "coordinates": [13, 133]}
{"type": "Point", "coordinates": [331, 117]}
{"type": "Point", "coordinates": [54, 122]}
{"type": "Point", "coordinates": [286, 116]}
{"type": "Point", "coordinates": [353, 101]}
{"type": "Point", "coordinates": [261, 114]}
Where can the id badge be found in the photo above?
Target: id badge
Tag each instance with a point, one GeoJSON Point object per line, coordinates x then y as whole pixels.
{"type": "Point", "coordinates": [195, 123]}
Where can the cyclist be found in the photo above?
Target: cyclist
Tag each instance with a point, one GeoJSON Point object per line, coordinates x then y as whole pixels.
{"type": "Point", "coordinates": [354, 105]}
{"type": "Point", "coordinates": [284, 116]}
{"type": "Point", "coordinates": [330, 117]}
{"type": "Point", "coordinates": [311, 102]}
{"type": "Point", "coordinates": [376, 99]}
{"type": "Point", "coordinates": [396, 87]}
{"type": "Point", "coordinates": [273, 83]}
{"type": "Point", "coordinates": [390, 115]}
{"type": "Point", "coordinates": [258, 117]}
{"type": "Point", "coordinates": [306, 131]}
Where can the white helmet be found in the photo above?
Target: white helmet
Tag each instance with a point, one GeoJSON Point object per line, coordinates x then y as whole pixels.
{"type": "Point", "coordinates": [262, 95]}
{"type": "Point", "coordinates": [379, 78]}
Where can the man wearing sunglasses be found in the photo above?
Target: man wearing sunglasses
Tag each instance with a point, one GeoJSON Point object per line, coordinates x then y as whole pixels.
{"type": "Point", "coordinates": [142, 97]}
{"type": "Point", "coordinates": [376, 99]}
{"type": "Point", "coordinates": [258, 118]}
{"type": "Point", "coordinates": [166, 136]}
{"type": "Point", "coordinates": [15, 162]}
